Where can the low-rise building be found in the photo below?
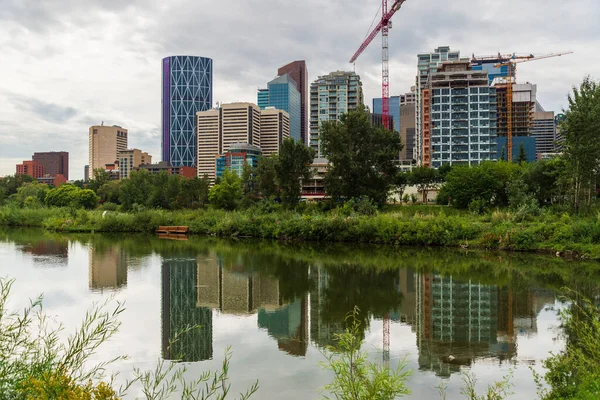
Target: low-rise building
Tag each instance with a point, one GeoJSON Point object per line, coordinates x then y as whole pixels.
{"type": "Point", "coordinates": [131, 159]}
{"type": "Point", "coordinates": [236, 157]}
{"type": "Point", "coordinates": [55, 181]}
{"type": "Point", "coordinates": [31, 168]}
{"type": "Point", "coordinates": [163, 166]}
{"type": "Point", "coordinates": [314, 188]}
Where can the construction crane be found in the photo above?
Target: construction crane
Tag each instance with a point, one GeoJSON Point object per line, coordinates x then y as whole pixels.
{"type": "Point", "coordinates": [384, 26]}
{"type": "Point", "coordinates": [511, 62]}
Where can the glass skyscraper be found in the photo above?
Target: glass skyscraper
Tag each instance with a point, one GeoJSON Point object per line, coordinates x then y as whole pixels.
{"type": "Point", "coordinates": [283, 94]}
{"type": "Point", "coordinates": [186, 89]}
{"type": "Point", "coordinates": [394, 109]}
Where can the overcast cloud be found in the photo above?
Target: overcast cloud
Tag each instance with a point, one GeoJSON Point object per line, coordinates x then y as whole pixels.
{"type": "Point", "coordinates": [68, 64]}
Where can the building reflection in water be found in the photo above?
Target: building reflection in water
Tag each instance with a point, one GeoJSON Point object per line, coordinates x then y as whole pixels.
{"type": "Point", "coordinates": [288, 325]}
{"type": "Point", "coordinates": [49, 252]}
{"type": "Point", "coordinates": [458, 322]}
{"type": "Point", "coordinates": [108, 268]}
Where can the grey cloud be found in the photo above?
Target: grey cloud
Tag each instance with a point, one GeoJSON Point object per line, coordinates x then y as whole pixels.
{"type": "Point", "coordinates": [47, 111]}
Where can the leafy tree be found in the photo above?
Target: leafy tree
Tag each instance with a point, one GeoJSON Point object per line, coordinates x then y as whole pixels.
{"type": "Point", "coordinates": [266, 176]}
{"type": "Point", "coordinates": [193, 192]}
{"type": "Point", "coordinates": [34, 191]}
{"type": "Point", "coordinates": [227, 193]}
{"type": "Point", "coordinates": [136, 189]}
{"type": "Point", "coordinates": [503, 154]}
{"type": "Point", "coordinates": [292, 166]}
{"type": "Point", "coordinates": [361, 157]}
{"type": "Point", "coordinates": [109, 192]}
{"type": "Point", "coordinates": [546, 180]}
{"type": "Point", "coordinates": [581, 133]}
{"type": "Point", "coordinates": [164, 190]}
{"type": "Point", "coordinates": [86, 198]}
{"type": "Point", "coordinates": [522, 158]}
{"type": "Point", "coordinates": [443, 171]}
{"type": "Point", "coordinates": [101, 177]}
{"type": "Point", "coordinates": [11, 183]}
{"type": "Point", "coordinates": [401, 182]}
{"type": "Point", "coordinates": [71, 196]}
{"type": "Point", "coordinates": [425, 179]}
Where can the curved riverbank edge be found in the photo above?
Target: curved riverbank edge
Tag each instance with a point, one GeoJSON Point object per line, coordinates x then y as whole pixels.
{"type": "Point", "coordinates": [564, 235]}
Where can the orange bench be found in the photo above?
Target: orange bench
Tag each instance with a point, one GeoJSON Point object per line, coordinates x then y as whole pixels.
{"type": "Point", "coordinates": [178, 230]}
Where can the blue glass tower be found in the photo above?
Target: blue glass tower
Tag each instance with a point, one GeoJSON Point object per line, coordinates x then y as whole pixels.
{"type": "Point", "coordinates": [283, 94]}
{"type": "Point", "coordinates": [186, 89]}
{"type": "Point", "coordinates": [394, 109]}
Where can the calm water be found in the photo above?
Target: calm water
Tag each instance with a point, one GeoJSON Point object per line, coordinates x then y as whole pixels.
{"type": "Point", "coordinates": [279, 305]}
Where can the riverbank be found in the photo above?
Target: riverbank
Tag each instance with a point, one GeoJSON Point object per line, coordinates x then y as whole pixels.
{"type": "Point", "coordinates": [420, 226]}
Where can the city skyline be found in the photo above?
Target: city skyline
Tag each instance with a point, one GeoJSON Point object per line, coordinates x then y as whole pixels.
{"type": "Point", "coordinates": [75, 78]}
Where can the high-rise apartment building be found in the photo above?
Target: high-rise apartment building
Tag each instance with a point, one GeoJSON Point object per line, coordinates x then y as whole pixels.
{"type": "Point", "coordinates": [54, 162]}
{"type": "Point", "coordinates": [274, 128]}
{"type": "Point", "coordinates": [131, 159]}
{"type": "Point", "coordinates": [299, 73]}
{"type": "Point", "coordinates": [427, 63]}
{"type": "Point", "coordinates": [218, 129]}
{"type": "Point", "coordinates": [394, 110]}
{"type": "Point", "coordinates": [105, 143]}
{"type": "Point", "coordinates": [544, 132]}
{"type": "Point", "coordinates": [283, 94]}
{"type": "Point", "coordinates": [186, 89]}
{"type": "Point", "coordinates": [461, 112]}
{"type": "Point", "coordinates": [31, 168]}
{"type": "Point", "coordinates": [407, 125]}
{"type": "Point", "coordinates": [331, 96]}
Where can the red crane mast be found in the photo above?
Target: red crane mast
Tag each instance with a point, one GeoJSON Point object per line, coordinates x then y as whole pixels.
{"type": "Point", "coordinates": [383, 26]}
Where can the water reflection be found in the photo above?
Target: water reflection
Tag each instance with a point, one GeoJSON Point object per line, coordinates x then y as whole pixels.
{"type": "Point", "coordinates": [47, 252]}
{"type": "Point", "coordinates": [108, 267]}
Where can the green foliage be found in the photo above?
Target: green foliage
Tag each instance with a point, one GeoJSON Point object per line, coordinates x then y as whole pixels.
{"type": "Point", "coordinates": [293, 165]}
{"type": "Point", "coordinates": [401, 181]}
{"type": "Point", "coordinates": [406, 198]}
{"type": "Point", "coordinates": [425, 179]}
{"type": "Point", "coordinates": [361, 157]}
{"type": "Point", "coordinates": [266, 176]}
{"type": "Point", "coordinates": [228, 192]}
{"type": "Point", "coordinates": [30, 194]}
{"type": "Point", "coordinates": [10, 184]}
{"type": "Point", "coordinates": [486, 182]}
{"type": "Point", "coordinates": [357, 378]}
{"type": "Point", "coordinates": [71, 196]}
{"type": "Point", "coordinates": [101, 178]}
{"type": "Point", "coordinates": [581, 142]}
{"type": "Point", "coordinates": [109, 192]}
{"type": "Point", "coordinates": [574, 372]}
{"type": "Point", "coordinates": [522, 157]}
{"type": "Point", "coordinates": [499, 390]}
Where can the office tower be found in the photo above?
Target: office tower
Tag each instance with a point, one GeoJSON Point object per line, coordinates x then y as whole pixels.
{"type": "Point", "coordinates": [274, 128]}
{"type": "Point", "coordinates": [234, 159]}
{"type": "Point", "coordinates": [186, 89]}
{"type": "Point", "coordinates": [86, 173]}
{"type": "Point", "coordinates": [408, 125]}
{"type": "Point", "coordinates": [218, 129]}
{"type": "Point", "coordinates": [54, 162]}
{"type": "Point", "coordinates": [427, 62]}
{"type": "Point", "coordinates": [394, 110]}
{"type": "Point", "coordinates": [377, 120]}
{"type": "Point", "coordinates": [130, 160]}
{"type": "Point", "coordinates": [180, 311]}
{"type": "Point", "coordinates": [105, 143]}
{"type": "Point", "coordinates": [31, 168]}
{"type": "Point", "coordinates": [459, 116]}
{"type": "Point", "coordinates": [299, 73]}
{"type": "Point", "coordinates": [544, 132]}
{"type": "Point", "coordinates": [262, 98]}
{"type": "Point", "coordinates": [331, 96]}
{"type": "Point", "coordinates": [558, 120]}
{"type": "Point", "coordinates": [283, 94]}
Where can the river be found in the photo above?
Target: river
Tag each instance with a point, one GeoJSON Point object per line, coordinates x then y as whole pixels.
{"type": "Point", "coordinates": [279, 305]}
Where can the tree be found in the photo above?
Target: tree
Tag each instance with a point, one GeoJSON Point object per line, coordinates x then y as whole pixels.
{"type": "Point", "coordinates": [503, 154]}
{"type": "Point", "coordinates": [30, 193]}
{"type": "Point", "coordinates": [425, 179]}
{"type": "Point", "coordinates": [101, 177]}
{"type": "Point", "coordinates": [361, 157]}
{"type": "Point", "coordinates": [581, 133]}
{"type": "Point", "coordinates": [109, 192]}
{"type": "Point", "coordinates": [293, 165]}
{"type": "Point", "coordinates": [401, 182]}
{"type": "Point", "coordinates": [71, 196]}
{"type": "Point", "coordinates": [522, 158]}
{"type": "Point", "coordinates": [227, 193]}
{"type": "Point", "coordinates": [136, 189]}
{"type": "Point", "coordinates": [193, 192]}
{"type": "Point", "coordinates": [266, 176]}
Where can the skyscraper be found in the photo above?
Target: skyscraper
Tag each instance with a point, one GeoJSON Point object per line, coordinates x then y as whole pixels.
{"type": "Point", "coordinates": [283, 94]}
{"type": "Point", "coordinates": [460, 116]}
{"type": "Point", "coordinates": [274, 128]}
{"type": "Point", "coordinates": [427, 63]}
{"type": "Point", "coordinates": [331, 96]}
{"type": "Point", "coordinates": [544, 132]}
{"type": "Point", "coordinates": [186, 89]}
{"type": "Point", "coordinates": [54, 162]}
{"type": "Point", "coordinates": [298, 72]}
{"type": "Point", "coordinates": [407, 125]}
{"type": "Point", "coordinates": [105, 143]}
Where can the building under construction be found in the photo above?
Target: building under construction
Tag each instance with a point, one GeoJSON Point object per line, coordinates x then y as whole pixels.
{"type": "Point", "coordinates": [523, 107]}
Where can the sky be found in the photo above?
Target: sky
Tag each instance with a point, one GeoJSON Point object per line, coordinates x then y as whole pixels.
{"type": "Point", "coordinates": [69, 64]}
